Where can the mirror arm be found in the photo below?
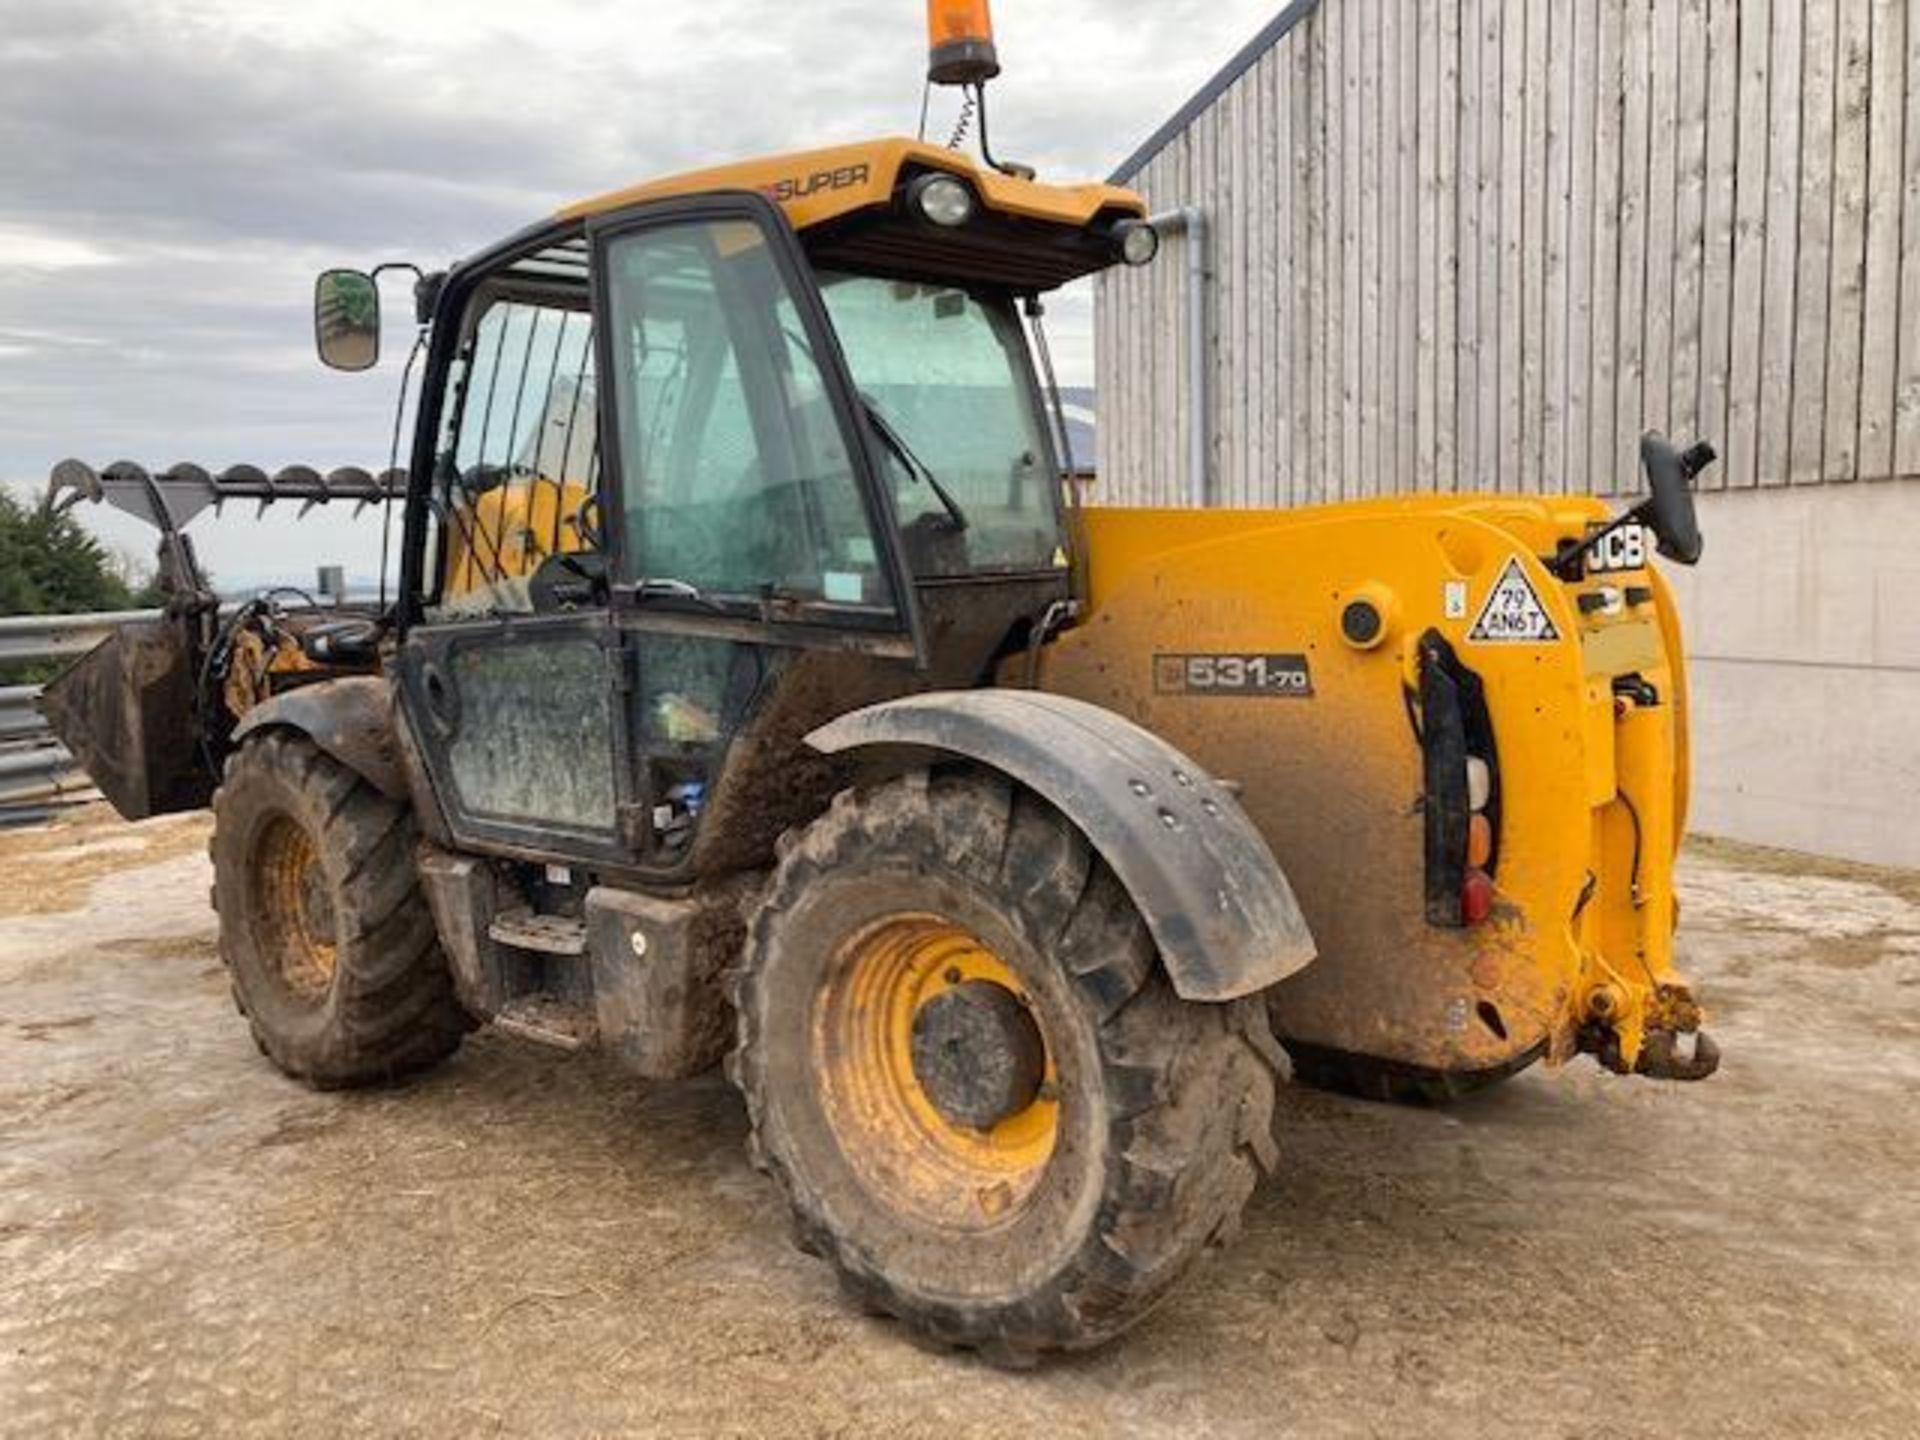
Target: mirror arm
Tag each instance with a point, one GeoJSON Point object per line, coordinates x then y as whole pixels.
{"type": "Point", "coordinates": [1567, 563]}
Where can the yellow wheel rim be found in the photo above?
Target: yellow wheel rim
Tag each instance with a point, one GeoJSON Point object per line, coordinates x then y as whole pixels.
{"type": "Point", "coordinates": [293, 910]}
{"type": "Point", "coordinates": [894, 1136]}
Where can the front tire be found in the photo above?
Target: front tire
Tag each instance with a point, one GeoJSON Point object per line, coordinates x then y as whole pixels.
{"type": "Point", "coordinates": [323, 927]}
{"type": "Point", "coordinates": [971, 1076]}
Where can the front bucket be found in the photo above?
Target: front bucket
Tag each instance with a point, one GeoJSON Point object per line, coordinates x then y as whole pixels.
{"type": "Point", "coordinates": [126, 710]}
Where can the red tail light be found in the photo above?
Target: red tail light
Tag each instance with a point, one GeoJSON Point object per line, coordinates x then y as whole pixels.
{"type": "Point", "coordinates": [1476, 897]}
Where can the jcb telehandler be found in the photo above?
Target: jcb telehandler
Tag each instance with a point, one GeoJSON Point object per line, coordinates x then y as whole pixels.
{"type": "Point", "coordinates": [754, 690]}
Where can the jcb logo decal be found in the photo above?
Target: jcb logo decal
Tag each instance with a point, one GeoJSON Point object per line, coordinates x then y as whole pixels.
{"type": "Point", "coordinates": [783, 192]}
{"type": "Point", "coordinates": [1617, 550]}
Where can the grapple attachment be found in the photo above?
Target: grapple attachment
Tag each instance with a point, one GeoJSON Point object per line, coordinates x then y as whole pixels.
{"type": "Point", "coordinates": [171, 499]}
{"type": "Point", "coordinates": [149, 712]}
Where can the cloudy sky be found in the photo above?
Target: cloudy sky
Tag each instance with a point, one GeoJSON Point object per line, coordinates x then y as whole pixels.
{"type": "Point", "coordinates": [173, 172]}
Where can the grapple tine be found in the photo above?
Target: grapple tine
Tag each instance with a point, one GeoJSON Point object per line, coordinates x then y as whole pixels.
{"type": "Point", "coordinates": [392, 485]}
{"type": "Point", "coordinates": [350, 481]}
{"type": "Point", "coordinates": [249, 478]}
{"type": "Point", "coordinates": [322, 493]}
{"type": "Point", "coordinates": [71, 482]}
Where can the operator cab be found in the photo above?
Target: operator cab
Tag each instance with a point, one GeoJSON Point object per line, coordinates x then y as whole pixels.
{"type": "Point", "coordinates": [737, 448]}
{"type": "Point", "coordinates": [920, 260]}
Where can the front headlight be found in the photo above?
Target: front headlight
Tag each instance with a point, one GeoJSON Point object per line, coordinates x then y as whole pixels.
{"type": "Point", "coordinates": [1137, 241]}
{"type": "Point", "coordinates": [941, 199]}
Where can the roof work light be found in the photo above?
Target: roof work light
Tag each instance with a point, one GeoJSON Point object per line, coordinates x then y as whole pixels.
{"type": "Point", "coordinates": [960, 43]}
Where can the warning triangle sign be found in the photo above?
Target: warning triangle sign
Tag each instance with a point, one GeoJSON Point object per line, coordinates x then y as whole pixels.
{"type": "Point", "coordinates": [1513, 614]}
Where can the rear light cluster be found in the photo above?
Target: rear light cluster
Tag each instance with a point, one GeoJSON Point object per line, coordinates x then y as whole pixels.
{"type": "Point", "coordinates": [1476, 891]}
{"type": "Point", "coordinates": [1461, 787]}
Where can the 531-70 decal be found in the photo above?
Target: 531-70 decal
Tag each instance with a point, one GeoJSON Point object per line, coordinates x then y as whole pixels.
{"type": "Point", "coordinates": [1243, 676]}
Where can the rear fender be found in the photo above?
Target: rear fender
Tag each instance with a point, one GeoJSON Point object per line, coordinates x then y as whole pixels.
{"type": "Point", "coordinates": [1211, 893]}
{"type": "Point", "coordinates": [352, 719]}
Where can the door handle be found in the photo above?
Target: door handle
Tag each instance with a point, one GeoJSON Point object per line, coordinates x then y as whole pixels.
{"type": "Point", "coordinates": [443, 701]}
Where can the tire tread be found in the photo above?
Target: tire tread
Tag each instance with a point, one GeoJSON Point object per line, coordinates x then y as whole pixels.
{"type": "Point", "coordinates": [1190, 1087]}
{"type": "Point", "coordinates": [392, 1012]}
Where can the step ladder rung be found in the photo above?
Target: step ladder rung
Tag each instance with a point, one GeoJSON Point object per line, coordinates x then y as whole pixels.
{"type": "Point", "coordinates": [547, 934]}
{"type": "Point", "coordinates": [548, 1020]}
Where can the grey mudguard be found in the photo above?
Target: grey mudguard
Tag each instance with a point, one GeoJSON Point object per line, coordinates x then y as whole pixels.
{"type": "Point", "coordinates": [351, 719]}
{"type": "Point", "coordinates": [1206, 884]}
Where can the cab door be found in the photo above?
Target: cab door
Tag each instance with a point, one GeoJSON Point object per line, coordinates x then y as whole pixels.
{"type": "Point", "coordinates": [649, 481]}
{"type": "Point", "coordinates": [744, 500]}
{"type": "Point", "coordinates": [745, 519]}
{"type": "Point", "coordinates": [511, 672]}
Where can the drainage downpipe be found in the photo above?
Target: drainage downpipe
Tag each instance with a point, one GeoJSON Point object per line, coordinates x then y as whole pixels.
{"type": "Point", "coordinates": [1191, 221]}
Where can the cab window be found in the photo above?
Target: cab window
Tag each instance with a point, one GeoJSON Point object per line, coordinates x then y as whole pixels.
{"type": "Point", "coordinates": [947, 372]}
{"type": "Point", "coordinates": [736, 479]}
{"type": "Point", "coordinates": [518, 474]}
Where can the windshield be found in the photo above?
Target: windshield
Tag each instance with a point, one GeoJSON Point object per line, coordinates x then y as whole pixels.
{"type": "Point", "coordinates": [946, 371]}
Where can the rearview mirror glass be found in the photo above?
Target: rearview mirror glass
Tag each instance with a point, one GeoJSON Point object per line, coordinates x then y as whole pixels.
{"type": "Point", "coordinates": [346, 320]}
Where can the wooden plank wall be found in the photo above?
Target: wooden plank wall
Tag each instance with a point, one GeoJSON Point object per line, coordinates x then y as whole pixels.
{"type": "Point", "coordinates": [1484, 244]}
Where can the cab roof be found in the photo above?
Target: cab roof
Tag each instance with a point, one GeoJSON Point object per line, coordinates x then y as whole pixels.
{"type": "Point", "coordinates": [815, 186]}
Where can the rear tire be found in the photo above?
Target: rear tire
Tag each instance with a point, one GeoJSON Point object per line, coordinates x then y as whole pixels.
{"type": "Point", "coordinates": [1064, 1221]}
{"type": "Point", "coordinates": [323, 926]}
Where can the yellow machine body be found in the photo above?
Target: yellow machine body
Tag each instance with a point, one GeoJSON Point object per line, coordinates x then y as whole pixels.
{"type": "Point", "coordinates": [1578, 950]}
{"type": "Point", "coordinates": [1577, 953]}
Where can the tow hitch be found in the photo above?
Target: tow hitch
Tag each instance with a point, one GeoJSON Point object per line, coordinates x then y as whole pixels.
{"type": "Point", "coordinates": [1673, 1046]}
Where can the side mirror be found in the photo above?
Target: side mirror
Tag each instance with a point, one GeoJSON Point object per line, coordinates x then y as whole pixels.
{"type": "Point", "coordinates": [346, 320]}
{"type": "Point", "coordinates": [1669, 510]}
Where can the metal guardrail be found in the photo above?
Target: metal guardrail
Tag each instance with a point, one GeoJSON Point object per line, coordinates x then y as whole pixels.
{"type": "Point", "coordinates": [37, 774]}
{"type": "Point", "coordinates": [37, 778]}
{"type": "Point", "coordinates": [20, 717]}
{"type": "Point", "coordinates": [60, 637]}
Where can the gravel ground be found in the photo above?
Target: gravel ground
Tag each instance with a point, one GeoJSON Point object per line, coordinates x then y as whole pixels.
{"type": "Point", "coordinates": [523, 1243]}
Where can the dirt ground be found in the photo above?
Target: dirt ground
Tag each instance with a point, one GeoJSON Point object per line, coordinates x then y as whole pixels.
{"type": "Point", "coordinates": [528, 1244]}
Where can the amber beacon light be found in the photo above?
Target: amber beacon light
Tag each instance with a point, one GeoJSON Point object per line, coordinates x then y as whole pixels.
{"type": "Point", "coordinates": [960, 42]}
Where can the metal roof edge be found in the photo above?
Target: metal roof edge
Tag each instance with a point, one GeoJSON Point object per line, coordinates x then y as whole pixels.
{"type": "Point", "coordinates": [1250, 55]}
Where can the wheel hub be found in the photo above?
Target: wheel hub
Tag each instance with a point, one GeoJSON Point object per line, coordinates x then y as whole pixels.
{"type": "Point", "coordinates": [936, 1073]}
{"type": "Point", "coordinates": [293, 910]}
{"type": "Point", "coordinates": [978, 1054]}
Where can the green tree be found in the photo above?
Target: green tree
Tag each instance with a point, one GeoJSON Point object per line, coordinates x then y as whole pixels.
{"type": "Point", "coordinates": [49, 565]}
